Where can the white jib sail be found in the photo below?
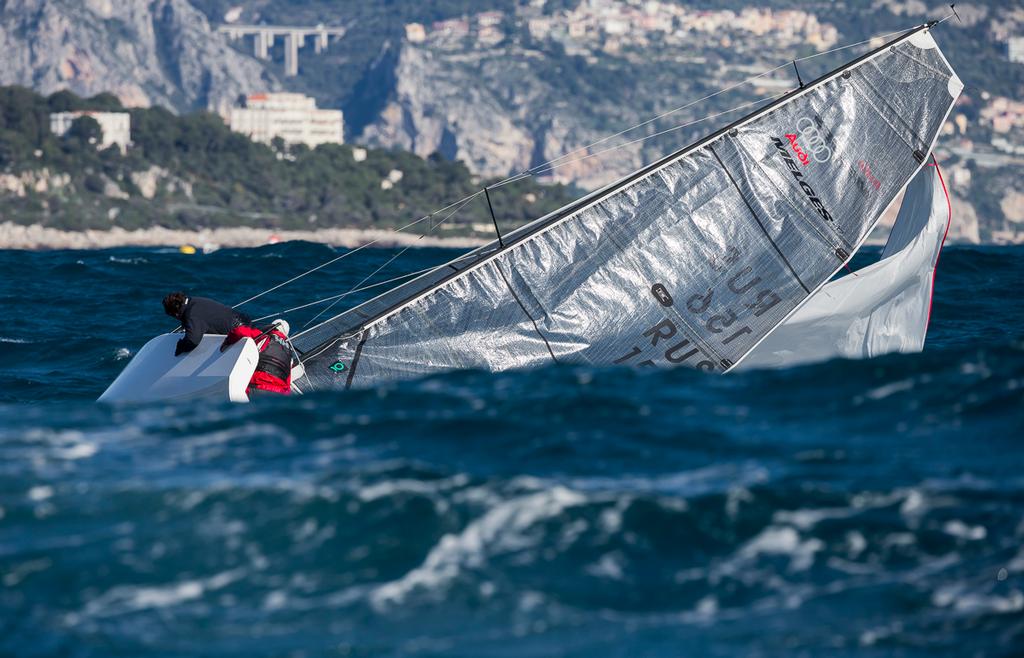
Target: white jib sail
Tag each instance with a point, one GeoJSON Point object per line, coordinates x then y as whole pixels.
{"type": "Point", "coordinates": [886, 306]}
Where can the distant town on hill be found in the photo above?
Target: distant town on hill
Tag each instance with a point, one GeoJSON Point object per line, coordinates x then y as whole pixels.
{"type": "Point", "coordinates": [503, 85]}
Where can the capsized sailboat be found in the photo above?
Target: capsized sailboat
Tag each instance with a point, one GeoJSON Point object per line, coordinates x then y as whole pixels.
{"type": "Point", "coordinates": [715, 257]}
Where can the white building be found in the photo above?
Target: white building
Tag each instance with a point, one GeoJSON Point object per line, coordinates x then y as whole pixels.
{"type": "Point", "coordinates": [116, 126]}
{"type": "Point", "coordinates": [292, 117]}
{"type": "Point", "coordinates": [1015, 49]}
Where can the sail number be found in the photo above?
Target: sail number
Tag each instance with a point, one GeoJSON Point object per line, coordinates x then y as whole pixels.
{"type": "Point", "coordinates": [721, 324]}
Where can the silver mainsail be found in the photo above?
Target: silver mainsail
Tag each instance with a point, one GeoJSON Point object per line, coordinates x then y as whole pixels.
{"type": "Point", "coordinates": [690, 262]}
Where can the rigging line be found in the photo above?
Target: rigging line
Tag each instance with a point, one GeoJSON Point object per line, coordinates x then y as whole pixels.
{"type": "Point", "coordinates": [390, 260]}
{"type": "Point", "coordinates": [363, 289]}
{"type": "Point", "coordinates": [345, 294]}
{"type": "Point", "coordinates": [532, 171]}
{"type": "Point", "coordinates": [667, 130]}
{"type": "Point", "coordinates": [359, 248]}
{"type": "Point", "coordinates": [848, 46]}
{"type": "Point", "coordinates": [408, 275]}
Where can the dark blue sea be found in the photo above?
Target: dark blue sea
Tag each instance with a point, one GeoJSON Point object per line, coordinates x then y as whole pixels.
{"type": "Point", "coordinates": [869, 508]}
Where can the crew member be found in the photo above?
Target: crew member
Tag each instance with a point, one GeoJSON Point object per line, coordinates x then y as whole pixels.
{"type": "Point", "coordinates": [200, 316]}
{"type": "Point", "coordinates": [274, 368]}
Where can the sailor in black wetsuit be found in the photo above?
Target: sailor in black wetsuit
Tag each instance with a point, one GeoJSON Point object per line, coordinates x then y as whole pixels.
{"type": "Point", "coordinates": [200, 316]}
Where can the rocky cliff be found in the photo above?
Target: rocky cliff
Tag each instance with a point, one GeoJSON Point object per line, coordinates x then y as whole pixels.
{"type": "Point", "coordinates": [508, 92]}
{"type": "Point", "coordinates": [505, 93]}
{"type": "Point", "coordinates": [493, 112]}
{"type": "Point", "coordinates": [147, 52]}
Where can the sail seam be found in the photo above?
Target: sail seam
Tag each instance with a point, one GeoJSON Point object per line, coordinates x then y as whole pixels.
{"type": "Point", "coordinates": [355, 359]}
{"type": "Point", "coordinates": [876, 101]}
{"type": "Point", "coordinates": [759, 223]}
{"type": "Point", "coordinates": [536, 328]}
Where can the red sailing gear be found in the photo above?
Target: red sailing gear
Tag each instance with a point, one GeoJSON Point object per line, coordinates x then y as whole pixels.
{"type": "Point", "coordinates": [273, 371]}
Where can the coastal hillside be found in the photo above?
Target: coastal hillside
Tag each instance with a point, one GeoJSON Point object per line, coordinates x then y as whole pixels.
{"type": "Point", "coordinates": [191, 171]}
{"type": "Point", "coordinates": [504, 85]}
{"type": "Point", "coordinates": [146, 52]}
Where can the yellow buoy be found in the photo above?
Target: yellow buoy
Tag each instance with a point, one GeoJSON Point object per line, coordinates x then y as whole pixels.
{"type": "Point", "coordinates": [187, 249]}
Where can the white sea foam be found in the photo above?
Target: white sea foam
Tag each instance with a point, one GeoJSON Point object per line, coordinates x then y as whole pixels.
{"type": "Point", "coordinates": [608, 567]}
{"type": "Point", "coordinates": [390, 488]}
{"type": "Point", "coordinates": [913, 504]}
{"type": "Point", "coordinates": [892, 388]}
{"type": "Point", "coordinates": [18, 572]}
{"type": "Point", "coordinates": [961, 530]}
{"type": "Point", "coordinates": [959, 598]}
{"type": "Point", "coordinates": [1016, 564]}
{"type": "Point", "coordinates": [701, 481]}
{"type": "Point", "coordinates": [502, 529]}
{"type": "Point", "coordinates": [856, 543]}
{"type": "Point", "coordinates": [784, 540]}
{"type": "Point", "coordinates": [18, 341]}
{"type": "Point", "coordinates": [40, 493]}
{"type": "Point", "coordinates": [804, 519]}
{"type": "Point", "coordinates": [81, 450]}
{"type": "Point", "coordinates": [128, 598]}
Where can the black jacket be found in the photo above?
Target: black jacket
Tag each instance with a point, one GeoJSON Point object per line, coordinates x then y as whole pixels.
{"type": "Point", "coordinates": [203, 316]}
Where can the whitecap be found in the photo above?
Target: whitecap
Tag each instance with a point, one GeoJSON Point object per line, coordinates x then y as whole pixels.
{"type": "Point", "coordinates": [122, 353]}
{"type": "Point", "coordinates": [892, 388]}
{"type": "Point", "coordinates": [775, 540]}
{"type": "Point", "coordinates": [19, 572]}
{"type": "Point", "coordinates": [804, 519]}
{"type": "Point", "coordinates": [128, 598]}
{"type": "Point", "coordinates": [608, 567]}
{"type": "Point", "coordinates": [78, 451]}
{"type": "Point", "coordinates": [40, 493]}
{"type": "Point", "coordinates": [957, 597]}
{"type": "Point", "coordinates": [961, 530]}
{"type": "Point", "coordinates": [19, 341]}
{"type": "Point", "coordinates": [502, 529]}
{"type": "Point", "coordinates": [392, 488]}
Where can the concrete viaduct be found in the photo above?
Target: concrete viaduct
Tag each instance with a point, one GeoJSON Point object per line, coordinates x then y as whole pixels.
{"type": "Point", "coordinates": [294, 38]}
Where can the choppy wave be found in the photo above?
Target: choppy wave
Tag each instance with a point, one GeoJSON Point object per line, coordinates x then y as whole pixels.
{"type": "Point", "coordinates": [847, 508]}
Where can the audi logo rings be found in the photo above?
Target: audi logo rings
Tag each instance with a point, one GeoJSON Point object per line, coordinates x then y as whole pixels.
{"type": "Point", "coordinates": [813, 140]}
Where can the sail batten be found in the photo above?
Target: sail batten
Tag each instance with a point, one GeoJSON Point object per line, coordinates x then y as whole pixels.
{"type": "Point", "coordinates": [691, 261]}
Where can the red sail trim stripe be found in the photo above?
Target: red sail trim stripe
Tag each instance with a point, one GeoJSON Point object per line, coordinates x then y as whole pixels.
{"type": "Point", "coordinates": [949, 220]}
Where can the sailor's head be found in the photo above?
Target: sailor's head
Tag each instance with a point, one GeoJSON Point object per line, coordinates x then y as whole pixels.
{"type": "Point", "coordinates": [282, 326]}
{"type": "Point", "coordinates": [174, 304]}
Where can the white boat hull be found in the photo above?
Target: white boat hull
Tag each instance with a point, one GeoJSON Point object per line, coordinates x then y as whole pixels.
{"type": "Point", "coordinates": [205, 372]}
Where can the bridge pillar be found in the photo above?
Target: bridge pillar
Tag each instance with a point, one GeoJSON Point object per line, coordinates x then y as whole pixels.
{"type": "Point", "coordinates": [264, 40]}
{"type": "Point", "coordinates": [320, 45]}
{"type": "Point", "coordinates": [292, 41]}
